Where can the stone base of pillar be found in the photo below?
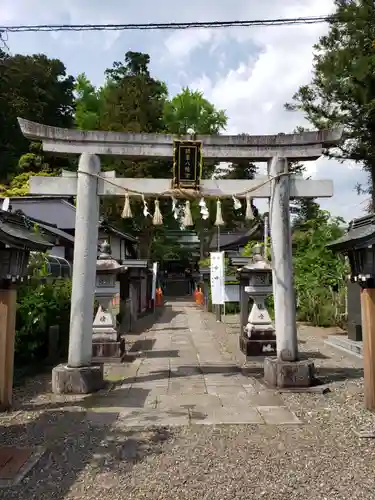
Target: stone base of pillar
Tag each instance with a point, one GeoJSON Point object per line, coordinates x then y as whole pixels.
{"type": "Point", "coordinates": [259, 344]}
{"type": "Point", "coordinates": [288, 374]}
{"type": "Point", "coordinates": [108, 351]}
{"type": "Point", "coordinates": [82, 380]}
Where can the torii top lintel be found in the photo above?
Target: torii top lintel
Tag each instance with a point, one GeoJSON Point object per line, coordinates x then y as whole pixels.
{"type": "Point", "coordinates": [303, 146]}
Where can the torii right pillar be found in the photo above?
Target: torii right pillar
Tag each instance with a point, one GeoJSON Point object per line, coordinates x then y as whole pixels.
{"type": "Point", "coordinates": [286, 370]}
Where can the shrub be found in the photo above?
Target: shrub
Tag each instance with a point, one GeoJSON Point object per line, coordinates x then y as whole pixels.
{"type": "Point", "coordinates": [319, 274]}
{"type": "Point", "coordinates": [41, 303]}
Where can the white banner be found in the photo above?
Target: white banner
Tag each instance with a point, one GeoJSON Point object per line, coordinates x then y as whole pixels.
{"type": "Point", "coordinates": [154, 277]}
{"type": "Point", "coordinates": [217, 278]}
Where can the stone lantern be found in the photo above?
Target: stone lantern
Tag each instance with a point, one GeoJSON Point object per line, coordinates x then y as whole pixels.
{"type": "Point", "coordinates": [358, 244]}
{"type": "Point", "coordinates": [257, 336]}
{"type": "Point", "coordinates": [204, 275]}
{"type": "Point", "coordinates": [358, 247]}
{"type": "Point", "coordinates": [107, 345]}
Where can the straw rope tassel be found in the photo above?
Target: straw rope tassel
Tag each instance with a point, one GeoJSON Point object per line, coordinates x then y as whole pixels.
{"type": "Point", "coordinates": [204, 210]}
{"type": "Point", "coordinates": [236, 203]}
{"type": "Point", "coordinates": [157, 219]}
{"type": "Point", "coordinates": [188, 219]}
{"type": "Point", "coordinates": [249, 209]}
{"type": "Point", "coordinates": [146, 212]}
{"type": "Point", "coordinates": [174, 208]}
{"type": "Point", "coordinates": [219, 215]}
{"type": "Point", "coordinates": [127, 211]}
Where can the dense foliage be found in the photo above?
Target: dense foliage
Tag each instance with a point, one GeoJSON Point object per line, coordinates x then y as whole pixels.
{"type": "Point", "coordinates": [41, 303]}
{"type": "Point", "coordinates": [36, 88]}
{"type": "Point", "coordinates": [319, 274]}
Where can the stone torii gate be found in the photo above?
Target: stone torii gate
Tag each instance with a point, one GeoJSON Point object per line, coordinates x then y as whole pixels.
{"type": "Point", "coordinates": [88, 184]}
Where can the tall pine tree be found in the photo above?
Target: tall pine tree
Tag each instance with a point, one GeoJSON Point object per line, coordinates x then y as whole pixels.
{"type": "Point", "coordinates": [342, 91]}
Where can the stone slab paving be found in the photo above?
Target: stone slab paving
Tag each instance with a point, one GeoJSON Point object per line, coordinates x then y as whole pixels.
{"type": "Point", "coordinates": [182, 377]}
{"type": "Point", "coordinates": [90, 456]}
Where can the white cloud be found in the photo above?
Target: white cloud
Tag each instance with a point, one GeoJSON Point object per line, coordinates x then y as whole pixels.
{"type": "Point", "coordinates": [252, 83]}
{"type": "Point", "coordinates": [254, 93]}
{"type": "Point", "coordinates": [182, 43]}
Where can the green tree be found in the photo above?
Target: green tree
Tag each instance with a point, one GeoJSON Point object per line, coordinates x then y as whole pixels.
{"type": "Point", "coordinates": [132, 101]}
{"type": "Point", "coordinates": [342, 91]}
{"type": "Point", "coordinates": [319, 274]}
{"type": "Point", "coordinates": [36, 88]}
{"type": "Point", "coordinates": [31, 164]}
{"type": "Point", "coordinates": [87, 104]}
{"type": "Point", "coordinates": [304, 209]}
{"type": "Point", "coordinates": [189, 110]}
{"type": "Point", "coordinates": [19, 184]}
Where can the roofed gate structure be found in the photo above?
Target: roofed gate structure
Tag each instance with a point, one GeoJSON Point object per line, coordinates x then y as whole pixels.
{"type": "Point", "coordinates": [90, 183]}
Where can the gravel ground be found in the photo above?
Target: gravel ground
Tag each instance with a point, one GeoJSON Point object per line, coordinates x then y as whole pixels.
{"type": "Point", "coordinates": [321, 459]}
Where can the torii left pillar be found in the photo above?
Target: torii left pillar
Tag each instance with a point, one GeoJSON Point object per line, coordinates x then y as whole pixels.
{"type": "Point", "coordinates": [79, 375]}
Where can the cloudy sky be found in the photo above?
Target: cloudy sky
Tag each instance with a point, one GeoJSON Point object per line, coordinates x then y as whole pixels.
{"type": "Point", "coordinates": [249, 72]}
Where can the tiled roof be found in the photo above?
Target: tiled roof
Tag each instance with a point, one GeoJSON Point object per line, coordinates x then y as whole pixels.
{"type": "Point", "coordinates": [361, 232]}
{"type": "Point", "coordinates": [17, 231]}
{"type": "Point", "coordinates": [235, 238]}
{"type": "Point", "coordinates": [48, 228]}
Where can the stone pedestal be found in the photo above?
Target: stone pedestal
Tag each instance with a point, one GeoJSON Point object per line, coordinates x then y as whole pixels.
{"type": "Point", "coordinates": [260, 344]}
{"type": "Point", "coordinates": [81, 380]}
{"type": "Point", "coordinates": [107, 345]}
{"type": "Point", "coordinates": [106, 351]}
{"type": "Point", "coordinates": [288, 374]}
{"type": "Point", "coordinates": [259, 334]}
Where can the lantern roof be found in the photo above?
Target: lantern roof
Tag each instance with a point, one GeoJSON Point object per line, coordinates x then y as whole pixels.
{"type": "Point", "coordinates": [258, 262]}
{"type": "Point", "coordinates": [360, 234]}
{"type": "Point", "coordinates": [105, 262]}
{"type": "Point", "coordinates": [17, 231]}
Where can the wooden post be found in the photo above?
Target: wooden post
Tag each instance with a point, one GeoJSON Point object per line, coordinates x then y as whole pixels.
{"type": "Point", "coordinates": [8, 299]}
{"type": "Point", "coordinates": [368, 322]}
{"type": "Point", "coordinates": [218, 312]}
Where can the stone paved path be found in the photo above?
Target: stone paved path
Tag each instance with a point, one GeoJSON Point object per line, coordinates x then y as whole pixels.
{"type": "Point", "coordinates": [94, 449]}
{"type": "Point", "coordinates": [182, 377]}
